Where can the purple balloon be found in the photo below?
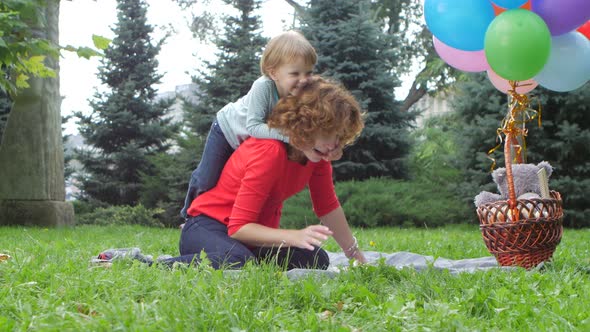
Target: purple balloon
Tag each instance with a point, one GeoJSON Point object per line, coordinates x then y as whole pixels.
{"type": "Point", "coordinates": [471, 61]}
{"type": "Point", "coordinates": [562, 16]}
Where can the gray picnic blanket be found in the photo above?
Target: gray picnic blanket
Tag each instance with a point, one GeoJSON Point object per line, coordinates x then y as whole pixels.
{"type": "Point", "coordinates": [400, 260]}
{"type": "Point", "coordinates": [339, 263]}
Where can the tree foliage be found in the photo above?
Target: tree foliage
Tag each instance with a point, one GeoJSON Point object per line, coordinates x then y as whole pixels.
{"type": "Point", "coordinates": [166, 185]}
{"type": "Point", "coordinates": [353, 50]}
{"type": "Point", "coordinates": [434, 153]}
{"type": "Point", "coordinates": [236, 66]}
{"type": "Point", "coordinates": [403, 19]}
{"type": "Point", "coordinates": [22, 51]}
{"type": "Point", "coordinates": [226, 79]}
{"type": "Point", "coordinates": [126, 124]}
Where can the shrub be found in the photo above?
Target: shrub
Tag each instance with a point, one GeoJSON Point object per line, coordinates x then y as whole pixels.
{"type": "Point", "coordinates": [297, 212]}
{"type": "Point", "coordinates": [170, 214]}
{"type": "Point", "coordinates": [385, 202]}
{"type": "Point", "coordinates": [87, 206]}
{"type": "Point", "coordinates": [121, 215]}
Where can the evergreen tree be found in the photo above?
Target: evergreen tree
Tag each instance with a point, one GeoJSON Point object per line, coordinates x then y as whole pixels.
{"type": "Point", "coordinates": [563, 140]}
{"type": "Point", "coordinates": [126, 124]}
{"type": "Point", "coordinates": [226, 79]}
{"type": "Point", "coordinates": [354, 50]}
{"type": "Point", "coordinates": [231, 75]}
{"type": "Point", "coordinates": [165, 187]}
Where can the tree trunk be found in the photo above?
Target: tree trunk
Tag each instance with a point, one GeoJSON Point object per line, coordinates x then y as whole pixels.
{"type": "Point", "coordinates": [32, 188]}
{"type": "Point", "coordinates": [414, 95]}
{"type": "Point", "coordinates": [299, 9]}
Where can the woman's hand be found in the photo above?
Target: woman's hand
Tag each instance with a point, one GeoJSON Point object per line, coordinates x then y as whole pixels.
{"type": "Point", "coordinates": [309, 237]}
{"type": "Point", "coordinates": [359, 257]}
{"type": "Point", "coordinates": [334, 155]}
{"type": "Point", "coordinates": [353, 252]}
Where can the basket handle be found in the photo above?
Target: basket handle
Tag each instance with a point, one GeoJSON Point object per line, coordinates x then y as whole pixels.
{"type": "Point", "coordinates": [514, 142]}
{"type": "Point", "coordinates": [509, 176]}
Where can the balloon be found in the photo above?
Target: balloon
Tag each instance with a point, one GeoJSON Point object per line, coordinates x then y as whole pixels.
{"type": "Point", "coordinates": [517, 44]}
{"type": "Point", "coordinates": [471, 61]}
{"type": "Point", "coordinates": [562, 16]}
{"type": "Point", "coordinates": [568, 67]}
{"type": "Point", "coordinates": [460, 24]}
{"type": "Point", "coordinates": [527, 5]}
{"type": "Point", "coordinates": [509, 4]}
{"type": "Point", "coordinates": [503, 85]}
{"type": "Point", "coordinates": [499, 10]}
{"type": "Point", "coordinates": [585, 29]}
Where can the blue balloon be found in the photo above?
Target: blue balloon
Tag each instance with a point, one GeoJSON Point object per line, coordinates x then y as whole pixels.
{"type": "Point", "coordinates": [568, 67]}
{"type": "Point", "coordinates": [509, 4]}
{"type": "Point", "coordinates": [460, 24]}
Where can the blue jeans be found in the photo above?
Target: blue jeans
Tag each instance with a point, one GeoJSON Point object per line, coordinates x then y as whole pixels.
{"type": "Point", "coordinates": [202, 233]}
{"type": "Point", "coordinates": [216, 153]}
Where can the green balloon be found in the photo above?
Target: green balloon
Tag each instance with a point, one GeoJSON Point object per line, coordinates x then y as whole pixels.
{"type": "Point", "coordinates": [517, 44]}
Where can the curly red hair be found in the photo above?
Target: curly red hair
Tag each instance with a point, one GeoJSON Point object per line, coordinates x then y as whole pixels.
{"type": "Point", "coordinates": [322, 108]}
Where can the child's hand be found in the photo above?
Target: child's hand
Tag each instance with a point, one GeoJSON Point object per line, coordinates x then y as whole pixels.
{"type": "Point", "coordinates": [335, 154]}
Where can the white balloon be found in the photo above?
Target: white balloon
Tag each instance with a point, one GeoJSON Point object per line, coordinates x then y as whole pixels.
{"type": "Point", "coordinates": [568, 67]}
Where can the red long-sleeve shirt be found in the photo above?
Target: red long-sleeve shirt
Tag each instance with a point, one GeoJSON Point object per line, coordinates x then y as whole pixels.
{"type": "Point", "coordinates": [255, 182]}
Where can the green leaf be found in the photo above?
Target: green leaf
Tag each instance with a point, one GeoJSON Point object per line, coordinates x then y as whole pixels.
{"type": "Point", "coordinates": [22, 81]}
{"type": "Point", "coordinates": [100, 42]}
{"type": "Point", "coordinates": [35, 66]}
{"type": "Point", "coordinates": [69, 48]}
{"type": "Point", "coordinates": [87, 52]}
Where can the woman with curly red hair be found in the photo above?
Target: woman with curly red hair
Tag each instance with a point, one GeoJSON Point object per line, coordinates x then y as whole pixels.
{"type": "Point", "coordinates": [238, 219]}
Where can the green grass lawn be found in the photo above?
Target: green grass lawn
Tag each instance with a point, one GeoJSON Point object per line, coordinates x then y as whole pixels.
{"type": "Point", "coordinates": [49, 285]}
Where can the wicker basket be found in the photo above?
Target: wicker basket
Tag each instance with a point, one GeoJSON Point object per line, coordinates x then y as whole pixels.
{"type": "Point", "coordinates": [522, 232]}
{"type": "Point", "coordinates": [527, 241]}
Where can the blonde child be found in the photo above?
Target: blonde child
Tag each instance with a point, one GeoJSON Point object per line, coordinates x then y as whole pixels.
{"type": "Point", "coordinates": [286, 65]}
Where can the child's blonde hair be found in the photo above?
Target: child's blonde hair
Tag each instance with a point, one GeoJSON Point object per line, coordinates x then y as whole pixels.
{"type": "Point", "coordinates": [285, 48]}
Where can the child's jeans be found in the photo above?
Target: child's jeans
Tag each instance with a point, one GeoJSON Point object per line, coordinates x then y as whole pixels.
{"type": "Point", "coordinates": [216, 153]}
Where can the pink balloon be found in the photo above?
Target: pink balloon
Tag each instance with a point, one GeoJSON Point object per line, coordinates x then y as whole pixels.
{"type": "Point", "coordinates": [503, 85]}
{"type": "Point", "coordinates": [471, 61]}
